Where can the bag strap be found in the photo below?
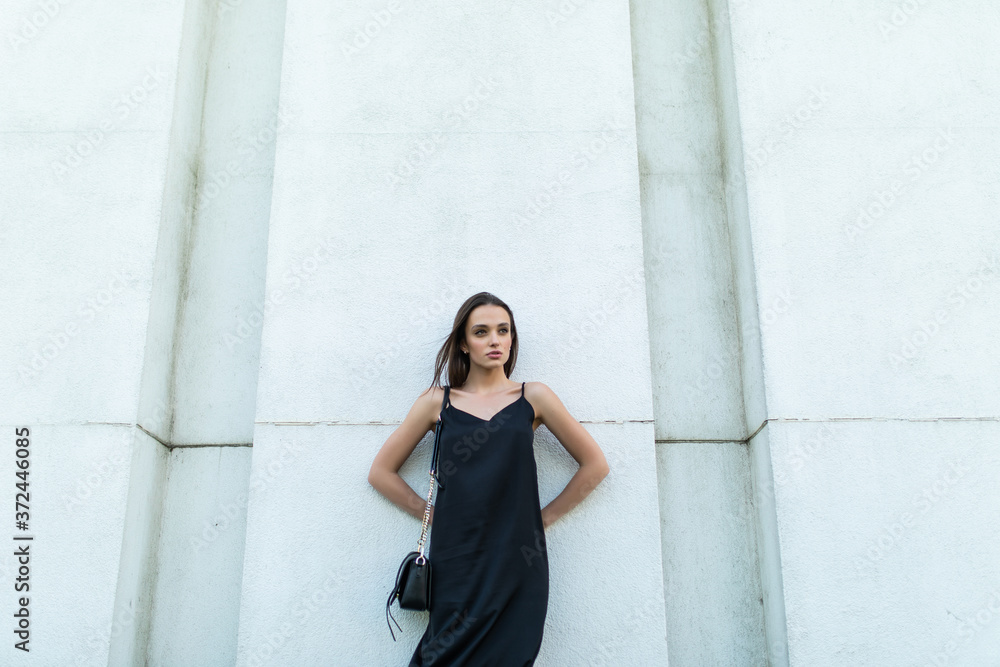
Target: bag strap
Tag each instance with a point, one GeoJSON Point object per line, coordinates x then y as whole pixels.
{"type": "Point", "coordinates": [392, 596]}
{"type": "Point", "coordinates": [435, 455]}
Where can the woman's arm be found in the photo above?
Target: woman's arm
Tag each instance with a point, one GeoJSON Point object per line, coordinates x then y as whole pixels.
{"type": "Point", "coordinates": [578, 442]}
{"type": "Point", "coordinates": [384, 475]}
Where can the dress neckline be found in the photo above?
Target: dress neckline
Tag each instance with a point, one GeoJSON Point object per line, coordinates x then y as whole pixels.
{"type": "Point", "coordinates": [452, 406]}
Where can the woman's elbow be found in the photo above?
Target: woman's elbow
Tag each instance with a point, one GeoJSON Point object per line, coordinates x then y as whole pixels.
{"type": "Point", "coordinates": [599, 470]}
{"type": "Point", "coordinates": [374, 476]}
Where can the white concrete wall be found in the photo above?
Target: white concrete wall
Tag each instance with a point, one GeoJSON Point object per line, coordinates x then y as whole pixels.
{"type": "Point", "coordinates": [752, 317]}
{"type": "Point", "coordinates": [395, 201]}
{"type": "Point", "coordinates": [79, 481]}
{"type": "Point", "coordinates": [886, 532]}
{"type": "Point", "coordinates": [211, 264]}
{"type": "Point", "coordinates": [216, 353]}
{"type": "Point", "coordinates": [123, 294]}
{"type": "Point", "coordinates": [869, 140]}
{"type": "Point", "coordinates": [713, 593]}
{"type": "Point", "coordinates": [714, 601]}
{"type": "Point", "coordinates": [195, 609]}
{"type": "Point", "coordinates": [696, 335]}
{"type": "Point", "coordinates": [815, 255]}
{"type": "Point", "coordinates": [84, 135]}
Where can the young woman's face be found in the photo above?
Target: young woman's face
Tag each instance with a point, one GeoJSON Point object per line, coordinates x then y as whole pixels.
{"type": "Point", "coordinates": [487, 335]}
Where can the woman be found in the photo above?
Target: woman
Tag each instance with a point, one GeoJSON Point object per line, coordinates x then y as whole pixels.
{"type": "Point", "coordinates": [490, 583]}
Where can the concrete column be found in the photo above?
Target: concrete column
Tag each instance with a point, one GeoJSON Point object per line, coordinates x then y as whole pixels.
{"type": "Point", "coordinates": [704, 348]}
{"type": "Point", "coordinates": [498, 153]}
{"type": "Point", "coordinates": [85, 129]}
{"type": "Point", "coordinates": [868, 148]}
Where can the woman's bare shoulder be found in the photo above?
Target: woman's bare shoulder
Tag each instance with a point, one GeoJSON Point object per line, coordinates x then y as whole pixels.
{"type": "Point", "coordinates": [539, 395]}
{"type": "Point", "coordinates": [537, 389]}
{"type": "Point", "coordinates": [430, 398]}
{"type": "Point", "coordinates": [426, 407]}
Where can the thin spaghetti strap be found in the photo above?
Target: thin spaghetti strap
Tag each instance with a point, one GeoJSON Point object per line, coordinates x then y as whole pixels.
{"type": "Point", "coordinates": [522, 389]}
{"type": "Point", "coordinates": [447, 398]}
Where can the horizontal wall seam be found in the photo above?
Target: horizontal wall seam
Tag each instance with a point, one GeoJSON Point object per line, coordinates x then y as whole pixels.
{"type": "Point", "coordinates": [147, 432]}
{"type": "Point", "coordinates": [471, 133]}
{"type": "Point", "coordinates": [881, 419]}
{"type": "Point", "coordinates": [660, 441]}
{"type": "Point", "coordinates": [212, 444]}
{"type": "Point", "coordinates": [153, 436]}
{"type": "Point", "coordinates": [582, 421]}
{"type": "Point", "coordinates": [397, 423]}
{"type": "Point", "coordinates": [821, 420]}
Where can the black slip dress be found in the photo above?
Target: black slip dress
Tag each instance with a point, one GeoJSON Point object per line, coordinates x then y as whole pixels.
{"type": "Point", "coordinates": [490, 583]}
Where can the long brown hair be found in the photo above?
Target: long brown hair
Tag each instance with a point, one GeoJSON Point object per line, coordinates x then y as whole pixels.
{"type": "Point", "coordinates": [452, 355]}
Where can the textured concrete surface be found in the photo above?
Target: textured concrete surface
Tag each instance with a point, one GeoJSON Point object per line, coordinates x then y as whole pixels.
{"type": "Point", "coordinates": [718, 223]}
{"type": "Point", "coordinates": [471, 181]}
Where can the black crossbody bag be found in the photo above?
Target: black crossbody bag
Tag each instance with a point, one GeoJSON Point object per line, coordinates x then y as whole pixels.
{"type": "Point", "coordinates": [413, 579]}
